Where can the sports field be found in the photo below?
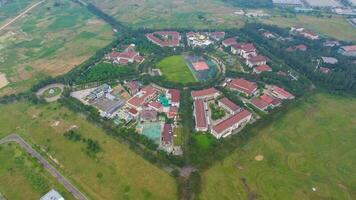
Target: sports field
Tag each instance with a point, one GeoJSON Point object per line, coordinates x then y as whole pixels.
{"type": "Point", "coordinates": [20, 171]}
{"type": "Point", "coordinates": [172, 14]}
{"type": "Point", "coordinates": [175, 69]}
{"type": "Point", "coordinates": [325, 26]}
{"type": "Point", "coordinates": [307, 153]}
{"type": "Point", "coordinates": [115, 173]}
{"type": "Point", "coordinates": [50, 40]}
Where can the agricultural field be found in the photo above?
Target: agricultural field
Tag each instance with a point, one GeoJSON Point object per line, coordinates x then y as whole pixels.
{"type": "Point", "coordinates": [307, 153]}
{"type": "Point", "coordinates": [10, 9]}
{"type": "Point", "coordinates": [175, 69]}
{"type": "Point", "coordinates": [114, 173]}
{"type": "Point", "coordinates": [50, 40]}
{"type": "Point", "coordinates": [20, 171]}
{"type": "Point", "coordinates": [329, 27]}
{"type": "Point", "coordinates": [172, 14]}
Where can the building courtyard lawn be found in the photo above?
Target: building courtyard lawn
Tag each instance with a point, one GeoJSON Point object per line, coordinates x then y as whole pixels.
{"type": "Point", "coordinates": [115, 173]}
{"type": "Point", "coordinates": [307, 153]}
{"type": "Point", "coordinates": [24, 173]}
{"type": "Point", "coordinates": [175, 69]}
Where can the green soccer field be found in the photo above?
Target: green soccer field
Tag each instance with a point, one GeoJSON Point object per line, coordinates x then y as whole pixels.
{"type": "Point", "coordinates": [175, 69]}
{"type": "Point", "coordinates": [307, 153]}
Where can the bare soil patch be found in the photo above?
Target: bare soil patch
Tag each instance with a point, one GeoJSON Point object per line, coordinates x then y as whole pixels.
{"type": "Point", "coordinates": [259, 157]}
{"type": "Point", "coordinates": [3, 80]}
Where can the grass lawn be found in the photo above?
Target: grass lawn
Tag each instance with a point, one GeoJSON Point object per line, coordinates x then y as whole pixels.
{"type": "Point", "coordinates": [50, 40]}
{"type": "Point", "coordinates": [19, 172]}
{"type": "Point", "coordinates": [311, 146]}
{"type": "Point", "coordinates": [12, 8]}
{"type": "Point", "coordinates": [115, 173]}
{"type": "Point", "coordinates": [172, 14]}
{"type": "Point", "coordinates": [175, 69]}
{"type": "Point", "coordinates": [178, 140]}
{"type": "Point", "coordinates": [325, 26]}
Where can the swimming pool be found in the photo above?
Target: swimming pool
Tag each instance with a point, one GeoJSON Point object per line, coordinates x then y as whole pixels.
{"type": "Point", "coordinates": [163, 100]}
{"type": "Point", "coordinates": [152, 130]}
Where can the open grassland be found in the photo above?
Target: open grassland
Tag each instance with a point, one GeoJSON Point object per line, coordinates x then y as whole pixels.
{"type": "Point", "coordinates": [194, 14]}
{"type": "Point", "coordinates": [175, 69]}
{"type": "Point", "coordinates": [336, 27]}
{"type": "Point", "coordinates": [21, 177]}
{"type": "Point", "coordinates": [310, 147]}
{"type": "Point", "coordinates": [49, 40]}
{"type": "Point", "coordinates": [115, 173]}
{"type": "Point", "coordinates": [12, 8]}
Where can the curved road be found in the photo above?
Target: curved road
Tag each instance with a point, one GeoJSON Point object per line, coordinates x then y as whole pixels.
{"type": "Point", "coordinates": [17, 139]}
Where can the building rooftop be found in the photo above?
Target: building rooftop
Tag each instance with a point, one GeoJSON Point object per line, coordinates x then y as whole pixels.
{"type": "Point", "coordinates": [263, 68]}
{"type": "Point", "coordinates": [204, 92]}
{"type": "Point", "coordinates": [243, 85]}
{"type": "Point", "coordinates": [231, 105]}
{"type": "Point", "coordinates": [231, 121]}
{"type": "Point", "coordinates": [175, 95]}
{"type": "Point", "coordinates": [167, 133]}
{"type": "Point", "coordinates": [52, 195]}
{"type": "Point", "coordinates": [200, 118]}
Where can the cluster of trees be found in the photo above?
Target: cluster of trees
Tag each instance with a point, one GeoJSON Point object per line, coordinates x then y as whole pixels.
{"type": "Point", "coordinates": [216, 112]}
{"type": "Point", "coordinates": [251, 3]}
{"type": "Point", "coordinates": [92, 146]}
{"type": "Point", "coordinates": [342, 79]}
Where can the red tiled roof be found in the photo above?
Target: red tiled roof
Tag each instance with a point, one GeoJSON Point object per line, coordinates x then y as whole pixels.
{"type": "Point", "coordinates": [174, 41]}
{"type": "Point", "coordinates": [127, 54]}
{"type": "Point", "coordinates": [167, 133]}
{"type": "Point", "coordinates": [243, 85]}
{"type": "Point", "coordinates": [324, 70]}
{"type": "Point", "coordinates": [237, 45]}
{"type": "Point", "coordinates": [263, 68]}
{"type": "Point", "coordinates": [204, 92]}
{"type": "Point", "coordinates": [133, 111]}
{"type": "Point", "coordinates": [114, 54]}
{"type": "Point", "coordinates": [231, 121]}
{"type": "Point", "coordinates": [259, 103]}
{"type": "Point", "coordinates": [155, 105]}
{"type": "Point", "coordinates": [267, 98]}
{"type": "Point", "coordinates": [350, 48]}
{"type": "Point", "coordinates": [248, 47]}
{"type": "Point", "coordinates": [200, 117]}
{"type": "Point", "coordinates": [229, 42]}
{"type": "Point", "coordinates": [301, 47]}
{"type": "Point", "coordinates": [258, 58]}
{"type": "Point", "coordinates": [138, 100]}
{"type": "Point", "coordinates": [123, 61]}
{"type": "Point", "coordinates": [132, 85]}
{"type": "Point", "coordinates": [175, 95]}
{"type": "Point", "coordinates": [282, 92]}
{"type": "Point", "coordinates": [200, 66]}
{"type": "Point", "coordinates": [231, 105]}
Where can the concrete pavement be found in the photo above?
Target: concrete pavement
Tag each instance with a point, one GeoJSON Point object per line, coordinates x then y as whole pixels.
{"type": "Point", "coordinates": [61, 179]}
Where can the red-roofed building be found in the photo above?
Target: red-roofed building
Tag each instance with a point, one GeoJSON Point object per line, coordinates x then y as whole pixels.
{"type": "Point", "coordinates": [244, 86]}
{"type": "Point", "coordinates": [280, 93]}
{"type": "Point", "coordinates": [129, 55]}
{"type": "Point", "coordinates": [200, 66]}
{"type": "Point", "coordinates": [348, 50]}
{"type": "Point", "coordinates": [228, 42]}
{"type": "Point", "coordinates": [324, 70]}
{"type": "Point", "coordinates": [244, 49]}
{"type": "Point", "coordinates": [201, 123]}
{"type": "Point", "coordinates": [133, 87]}
{"type": "Point", "coordinates": [133, 112]}
{"type": "Point", "coordinates": [310, 35]}
{"type": "Point", "coordinates": [260, 104]}
{"type": "Point", "coordinates": [229, 105]}
{"type": "Point", "coordinates": [164, 38]}
{"type": "Point", "coordinates": [270, 100]}
{"type": "Point", "coordinates": [173, 112]}
{"type": "Point", "coordinates": [209, 93]}
{"type": "Point", "coordinates": [217, 35]}
{"type": "Point", "coordinates": [301, 47]}
{"type": "Point", "coordinates": [257, 60]}
{"type": "Point", "coordinates": [227, 126]}
{"type": "Point", "coordinates": [167, 135]}
{"type": "Point", "coordinates": [174, 96]}
{"type": "Point", "coordinates": [142, 97]}
{"type": "Point", "coordinates": [262, 68]}
{"type": "Point", "coordinates": [156, 106]}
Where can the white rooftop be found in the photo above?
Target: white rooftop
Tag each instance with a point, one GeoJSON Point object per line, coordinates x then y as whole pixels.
{"type": "Point", "coordinates": [52, 195]}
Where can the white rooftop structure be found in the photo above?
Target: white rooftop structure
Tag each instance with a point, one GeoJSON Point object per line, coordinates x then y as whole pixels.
{"type": "Point", "coordinates": [52, 195]}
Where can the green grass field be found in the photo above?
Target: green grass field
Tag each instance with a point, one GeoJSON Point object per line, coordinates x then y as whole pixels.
{"type": "Point", "coordinates": [50, 40]}
{"type": "Point", "coordinates": [115, 173]}
{"type": "Point", "coordinates": [19, 172]}
{"type": "Point", "coordinates": [172, 14]}
{"type": "Point", "coordinates": [329, 27]}
{"type": "Point", "coordinates": [175, 69]}
{"type": "Point", "coordinates": [311, 146]}
{"type": "Point", "coordinates": [12, 8]}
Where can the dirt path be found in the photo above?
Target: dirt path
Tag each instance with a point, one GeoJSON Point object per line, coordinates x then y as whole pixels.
{"type": "Point", "coordinates": [20, 15]}
{"type": "Point", "coordinates": [3, 80]}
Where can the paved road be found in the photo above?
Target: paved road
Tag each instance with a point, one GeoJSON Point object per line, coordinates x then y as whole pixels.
{"type": "Point", "coordinates": [20, 15]}
{"type": "Point", "coordinates": [16, 138]}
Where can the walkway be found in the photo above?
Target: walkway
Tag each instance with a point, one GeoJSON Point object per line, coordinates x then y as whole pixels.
{"type": "Point", "coordinates": [27, 147]}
